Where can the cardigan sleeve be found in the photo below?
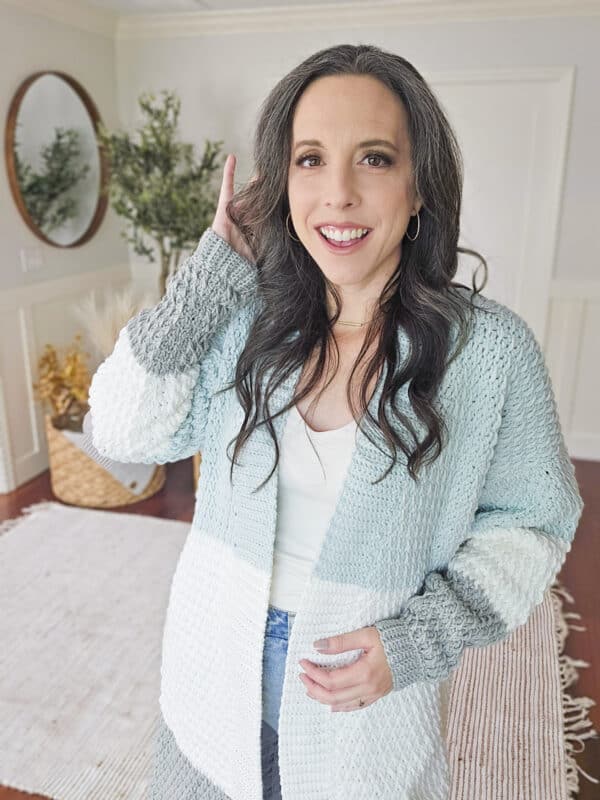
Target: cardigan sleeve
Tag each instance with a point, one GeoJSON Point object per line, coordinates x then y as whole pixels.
{"type": "Point", "coordinates": [149, 400]}
{"type": "Point", "coordinates": [527, 515]}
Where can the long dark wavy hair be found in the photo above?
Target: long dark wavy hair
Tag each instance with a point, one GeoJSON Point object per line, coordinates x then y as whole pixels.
{"type": "Point", "coordinates": [419, 295]}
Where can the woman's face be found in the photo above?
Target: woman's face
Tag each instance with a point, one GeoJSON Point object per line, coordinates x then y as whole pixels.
{"type": "Point", "coordinates": [339, 179]}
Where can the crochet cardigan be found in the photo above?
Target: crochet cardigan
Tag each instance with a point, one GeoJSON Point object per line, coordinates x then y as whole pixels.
{"type": "Point", "coordinates": [458, 559]}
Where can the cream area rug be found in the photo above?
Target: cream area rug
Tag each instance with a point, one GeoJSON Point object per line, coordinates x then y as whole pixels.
{"type": "Point", "coordinates": [83, 597]}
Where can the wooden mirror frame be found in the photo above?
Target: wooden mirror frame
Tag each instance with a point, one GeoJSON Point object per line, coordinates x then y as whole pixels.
{"type": "Point", "coordinates": [9, 143]}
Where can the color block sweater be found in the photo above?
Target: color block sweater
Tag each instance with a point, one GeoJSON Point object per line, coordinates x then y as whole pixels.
{"type": "Point", "coordinates": [458, 559]}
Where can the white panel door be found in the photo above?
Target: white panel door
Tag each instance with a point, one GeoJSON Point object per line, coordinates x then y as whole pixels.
{"type": "Point", "coordinates": [512, 128]}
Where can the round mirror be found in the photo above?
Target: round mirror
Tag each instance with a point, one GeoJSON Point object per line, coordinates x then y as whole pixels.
{"type": "Point", "coordinates": [55, 167]}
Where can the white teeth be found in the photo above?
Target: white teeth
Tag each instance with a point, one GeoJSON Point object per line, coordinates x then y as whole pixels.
{"type": "Point", "coordinates": [345, 235]}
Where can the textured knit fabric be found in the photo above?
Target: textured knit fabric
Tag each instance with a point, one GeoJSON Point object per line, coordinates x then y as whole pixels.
{"type": "Point", "coordinates": [311, 474]}
{"type": "Point", "coordinates": [457, 559]}
{"type": "Point", "coordinates": [134, 477]}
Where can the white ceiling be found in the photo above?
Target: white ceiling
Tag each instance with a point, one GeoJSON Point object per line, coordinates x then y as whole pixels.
{"type": "Point", "coordinates": [173, 6]}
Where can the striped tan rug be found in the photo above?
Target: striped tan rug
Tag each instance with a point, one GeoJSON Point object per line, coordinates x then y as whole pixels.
{"type": "Point", "coordinates": [83, 594]}
{"type": "Point", "coordinates": [512, 725]}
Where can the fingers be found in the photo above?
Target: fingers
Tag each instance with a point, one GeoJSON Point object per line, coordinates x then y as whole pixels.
{"type": "Point", "coordinates": [227, 183]}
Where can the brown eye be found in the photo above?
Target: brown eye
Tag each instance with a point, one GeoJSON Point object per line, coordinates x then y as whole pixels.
{"type": "Point", "coordinates": [381, 156]}
{"type": "Point", "coordinates": [300, 160]}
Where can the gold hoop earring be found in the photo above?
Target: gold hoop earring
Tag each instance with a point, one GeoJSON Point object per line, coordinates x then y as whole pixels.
{"type": "Point", "coordinates": [418, 229]}
{"type": "Point", "coordinates": [288, 228]}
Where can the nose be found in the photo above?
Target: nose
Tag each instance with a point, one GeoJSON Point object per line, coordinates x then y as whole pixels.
{"type": "Point", "coordinates": [341, 190]}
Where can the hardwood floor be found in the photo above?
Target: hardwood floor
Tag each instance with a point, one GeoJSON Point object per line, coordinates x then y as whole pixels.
{"type": "Point", "coordinates": [580, 576]}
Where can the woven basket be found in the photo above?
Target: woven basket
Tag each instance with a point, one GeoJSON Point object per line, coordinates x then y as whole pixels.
{"type": "Point", "coordinates": [77, 479]}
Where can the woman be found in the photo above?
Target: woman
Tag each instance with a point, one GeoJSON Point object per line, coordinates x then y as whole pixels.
{"type": "Point", "coordinates": [399, 487]}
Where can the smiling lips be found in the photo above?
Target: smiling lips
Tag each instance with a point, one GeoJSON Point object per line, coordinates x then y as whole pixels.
{"type": "Point", "coordinates": [343, 246]}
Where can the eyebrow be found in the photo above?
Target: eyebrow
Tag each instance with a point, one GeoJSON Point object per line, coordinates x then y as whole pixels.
{"type": "Point", "coordinates": [367, 143]}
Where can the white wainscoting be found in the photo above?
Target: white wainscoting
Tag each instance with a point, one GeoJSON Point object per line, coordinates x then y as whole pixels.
{"type": "Point", "coordinates": [30, 317]}
{"type": "Point", "coordinates": [572, 350]}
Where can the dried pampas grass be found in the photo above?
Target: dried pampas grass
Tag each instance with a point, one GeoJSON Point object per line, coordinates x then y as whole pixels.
{"type": "Point", "coordinates": [103, 323]}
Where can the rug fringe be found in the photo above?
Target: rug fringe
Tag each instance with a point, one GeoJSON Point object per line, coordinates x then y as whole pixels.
{"type": "Point", "coordinates": [575, 709]}
{"type": "Point", "coordinates": [8, 524]}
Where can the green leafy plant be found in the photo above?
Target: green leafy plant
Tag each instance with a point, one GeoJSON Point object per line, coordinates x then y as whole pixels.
{"type": "Point", "coordinates": [47, 193]}
{"type": "Point", "coordinates": [167, 197]}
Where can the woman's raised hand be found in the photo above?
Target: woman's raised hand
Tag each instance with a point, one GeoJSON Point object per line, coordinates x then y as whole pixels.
{"type": "Point", "coordinates": [222, 225]}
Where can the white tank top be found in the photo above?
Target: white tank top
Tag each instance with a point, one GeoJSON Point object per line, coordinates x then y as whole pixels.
{"type": "Point", "coordinates": [312, 468]}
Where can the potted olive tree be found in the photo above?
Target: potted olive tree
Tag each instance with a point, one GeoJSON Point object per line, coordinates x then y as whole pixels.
{"type": "Point", "coordinates": [166, 196]}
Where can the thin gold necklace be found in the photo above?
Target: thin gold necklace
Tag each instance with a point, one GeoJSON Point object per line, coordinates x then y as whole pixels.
{"type": "Point", "coordinates": [354, 324]}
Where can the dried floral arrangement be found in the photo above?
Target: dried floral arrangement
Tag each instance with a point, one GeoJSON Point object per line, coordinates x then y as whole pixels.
{"type": "Point", "coordinates": [103, 321]}
{"type": "Point", "coordinates": [64, 384]}
{"type": "Point", "coordinates": [64, 380]}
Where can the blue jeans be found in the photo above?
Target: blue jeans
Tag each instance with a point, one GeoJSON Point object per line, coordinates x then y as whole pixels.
{"type": "Point", "coordinates": [278, 629]}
